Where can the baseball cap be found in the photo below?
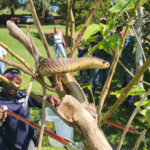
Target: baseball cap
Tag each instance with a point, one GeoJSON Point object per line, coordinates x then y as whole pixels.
{"type": "Point", "coordinates": [13, 74]}
{"type": "Point", "coordinates": [14, 71]}
{"type": "Point", "coordinates": [103, 21]}
{"type": "Point", "coordinates": [119, 28]}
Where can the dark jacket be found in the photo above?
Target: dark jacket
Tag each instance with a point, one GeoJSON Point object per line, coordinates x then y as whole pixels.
{"type": "Point", "coordinates": [15, 133]}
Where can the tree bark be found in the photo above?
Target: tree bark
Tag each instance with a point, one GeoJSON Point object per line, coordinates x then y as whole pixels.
{"type": "Point", "coordinates": [139, 56]}
{"type": "Point", "coordinates": [93, 137]}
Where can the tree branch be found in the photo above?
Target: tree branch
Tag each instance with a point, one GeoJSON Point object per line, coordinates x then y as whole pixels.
{"type": "Point", "coordinates": [16, 56]}
{"type": "Point", "coordinates": [114, 63]}
{"type": "Point", "coordinates": [38, 25]}
{"type": "Point", "coordinates": [131, 119]}
{"type": "Point", "coordinates": [126, 90]}
{"type": "Point", "coordinates": [43, 120]}
{"type": "Point", "coordinates": [17, 66]}
{"type": "Point", "coordinates": [67, 25]}
{"type": "Point", "coordinates": [136, 146]}
{"type": "Point", "coordinates": [21, 37]}
{"type": "Point", "coordinates": [84, 28]}
{"type": "Point", "coordinates": [132, 75]}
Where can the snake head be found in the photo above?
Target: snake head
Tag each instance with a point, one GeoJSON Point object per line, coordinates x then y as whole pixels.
{"type": "Point", "coordinates": [105, 64]}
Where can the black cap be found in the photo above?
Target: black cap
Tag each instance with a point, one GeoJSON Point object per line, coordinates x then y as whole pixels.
{"type": "Point", "coordinates": [103, 21]}
{"type": "Point", "coordinates": [13, 71]}
{"type": "Point", "coordinates": [119, 28]}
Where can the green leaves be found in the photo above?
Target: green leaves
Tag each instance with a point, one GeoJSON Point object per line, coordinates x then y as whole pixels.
{"type": "Point", "coordinates": [92, 29]}
{"type": "Point", "coordinates": [124, 5]}
{"type": "Point", "coordinates": [136, 90]}
{"type": "Point", "coordinates": [110, 43]}
{"type": "Point", "coordinates": [145, 111]}
{"type": "Point", "coordinates": [147, 117]}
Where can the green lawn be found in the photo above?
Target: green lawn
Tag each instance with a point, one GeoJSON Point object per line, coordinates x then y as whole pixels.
{"type": "Point", "coordinates": [21, 51]}
{"type": "Point", "coordinates": [122, 114]}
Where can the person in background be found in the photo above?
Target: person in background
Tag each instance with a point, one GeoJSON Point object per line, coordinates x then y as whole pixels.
{"type": "Point", "coordinates": [128, 59]}
{"type": "Point", "coordinates": [59, 42]}
{"type": "Point", "coordinates": [81, 52]}
{"type": "Point", "coordinates": [100, 53]}
{"type": "Point", "coordinates": [14, 134]}
{"type": "Point", "coordinates": [3, 54]}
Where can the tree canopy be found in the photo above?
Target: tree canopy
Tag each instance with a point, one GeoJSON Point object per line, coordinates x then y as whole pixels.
{"type": "Point", "coordinates": [82, 8]}
{"type": "Point", "coordinates": [12, 4]}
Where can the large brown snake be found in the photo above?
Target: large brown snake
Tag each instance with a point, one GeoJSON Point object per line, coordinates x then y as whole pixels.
{"type": "Point", "coordinates": [52, 66]}
{"type": "Point", "coordinates": [59, 68]}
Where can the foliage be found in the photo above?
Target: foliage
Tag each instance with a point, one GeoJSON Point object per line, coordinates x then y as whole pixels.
{"type": "Point", "coordinates": [124, 5]}
{"type": "Point", "coordinates": [110, 40]}
{"type": "Point", "coordinates": [12, 4]}
{"type": "Point", "coordinates": [136, 90]}
{"type": "Point", "coordinates": [82, 9]}
{"type": "Point", "coordinates": [145, 110]}
{"type": "Point", "coordinates": [62, 11]}
{"type": "Point", "coordinates": [146, 26]}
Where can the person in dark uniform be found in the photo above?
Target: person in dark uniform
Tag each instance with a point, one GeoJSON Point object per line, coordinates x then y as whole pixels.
{"type": "Point", "coordinates": [100, 53]}
{"type": "Point", "coordinates": [14, 134]}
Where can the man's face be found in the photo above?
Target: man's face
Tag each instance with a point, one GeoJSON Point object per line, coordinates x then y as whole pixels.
{"type": "Point", "coordinates": [120, 33]}
{"type": "Point", "coordinates": [9, 90]}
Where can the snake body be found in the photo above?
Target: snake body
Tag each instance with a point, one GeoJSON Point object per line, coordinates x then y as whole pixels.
{"type": "Point", "coordinates": [51, 66]}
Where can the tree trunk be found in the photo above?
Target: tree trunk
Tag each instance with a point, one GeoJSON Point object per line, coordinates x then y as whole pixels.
{"type": "Point", "coordinates": [93, 137]}
{"type": "Point", "coordinates": [12, 9]}
{"type": "Point", "coordinates": [139, 56]}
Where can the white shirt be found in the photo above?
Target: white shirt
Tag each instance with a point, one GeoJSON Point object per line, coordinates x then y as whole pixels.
{"type": "Point", "coordinates": [57, 38]}
{"type": "Point", "coordinates": [2, 52]}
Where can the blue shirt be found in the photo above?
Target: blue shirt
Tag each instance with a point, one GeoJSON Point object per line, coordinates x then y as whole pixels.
{"type": "Point", "coordinates": [15, 133]}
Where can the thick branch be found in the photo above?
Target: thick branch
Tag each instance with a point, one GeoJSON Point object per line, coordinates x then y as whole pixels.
{"type": "Point", "coordinates": [93, 137]}
{"type": "Point", "coordinates": [67, 25]}
{"type": "Point", "coordinates": [72, 24]}
{"type": "Point", "coordinates": [22, 38]}
{"type": "Point", "coordinates": [38, 25]}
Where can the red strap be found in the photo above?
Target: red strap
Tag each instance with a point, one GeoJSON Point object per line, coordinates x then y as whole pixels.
{"type": "Point", "coordinates": [120, 126]}
{"type": "Point", "coordinates": [52, 135]}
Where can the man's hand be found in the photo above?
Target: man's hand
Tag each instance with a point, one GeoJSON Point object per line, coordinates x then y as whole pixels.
{"type": "Point", "coordinates": [53, 100]}
{"type": "Point", "coordinates": [3, 115]}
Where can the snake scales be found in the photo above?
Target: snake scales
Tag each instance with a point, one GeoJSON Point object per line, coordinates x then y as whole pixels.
{"type": "Point", "coordinates": [52, 66]}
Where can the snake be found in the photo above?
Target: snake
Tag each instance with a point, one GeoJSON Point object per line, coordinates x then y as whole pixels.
{"type": "Point", "coordinates": [51, 66]}
{"type": "Point", "coordinates": [64, 66]}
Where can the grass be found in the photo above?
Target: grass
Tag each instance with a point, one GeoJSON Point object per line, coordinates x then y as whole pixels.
{"type": "Point", "coordinates": [122, 114]}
